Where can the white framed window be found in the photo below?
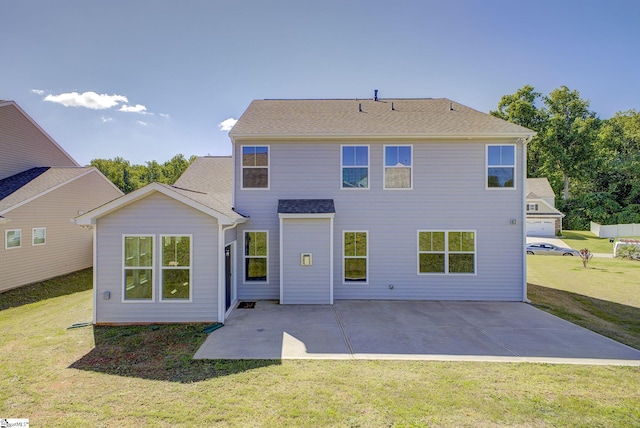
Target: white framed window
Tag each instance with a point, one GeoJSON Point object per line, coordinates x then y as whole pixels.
{"type": "Point", "coordinates": [175, 272]}
{"type": "Point", "coordinates": [446, 252]}
{"type": "Point", "coordinates": [355, 250]}
{"type": "Point", "coordinates": [137, 266]}
{"type": "Point", "coordinates": [39, 236]}
{"type": "Point", "coordinates": [255, 167]}
{"type": "Point", "coordinates": [354, 162]}
{"type": "Point", "coordinates": [532, 207]}
{"type": "Point", "coordinates": [501, 166]}
{"type": "Point", "coordinates": [398, 171]}
{"type": "Point", "coordinates": [12, 238]}
{"type": "Point", "coordinates": [256, 255]}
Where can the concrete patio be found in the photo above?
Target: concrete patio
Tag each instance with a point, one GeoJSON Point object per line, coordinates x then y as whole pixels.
{"type": "Point", "coordinates": [410, 330]}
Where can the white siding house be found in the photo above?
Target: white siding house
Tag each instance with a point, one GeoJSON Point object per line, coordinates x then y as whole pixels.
{"type": "Point", "coordinates": [404, 199]}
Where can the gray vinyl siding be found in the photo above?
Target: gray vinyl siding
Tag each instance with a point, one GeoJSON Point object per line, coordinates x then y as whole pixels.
{"type": "Point", "coordinates": [23, 145]}
{"type": "Point", "coordinates": [68, 247]}
{"type": "Point", "coordinates": [306, 284]}
{"type": "Point", "coordinates": [449, 193]}
{"type": "Point", "coordinates": [157, 214]}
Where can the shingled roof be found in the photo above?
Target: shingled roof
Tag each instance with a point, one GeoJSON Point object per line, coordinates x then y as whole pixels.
{"type": "Point", "coordinates": [11, 184]}
{"type": "Point", "coordinates": [385, 117]}
{"type": "Point", "coordinates": [306, 206]}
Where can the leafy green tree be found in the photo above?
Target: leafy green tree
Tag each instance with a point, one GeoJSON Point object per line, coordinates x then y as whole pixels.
{"type": "Point", "coordinates": [569, 133]}
{"type": "Point", "coordinates": [129, 177]}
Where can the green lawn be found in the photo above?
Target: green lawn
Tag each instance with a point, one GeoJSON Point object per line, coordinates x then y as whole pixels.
{"type": "Point", "coordinates": [144, 376]}
{"type": "Point", "coordinates": [579, 239]}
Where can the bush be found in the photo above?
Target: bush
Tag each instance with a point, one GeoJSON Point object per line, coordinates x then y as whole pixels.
{"type": "Point", "coordinates": [628, 252]}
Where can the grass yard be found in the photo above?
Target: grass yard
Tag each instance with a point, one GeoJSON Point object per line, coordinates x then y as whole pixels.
{"type": "Point", "coordinates": [579, 239]}
{"type": "Point", "coordinates": [144, 376]}
{"type": "Point", "coordinates": [604, 297]}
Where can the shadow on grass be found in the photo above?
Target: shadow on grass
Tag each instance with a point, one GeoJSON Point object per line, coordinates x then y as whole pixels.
{"type": "Point", "coordinates": [614, 320]}
{"type": "Point", "coordinates": [81, 280]}
{"type": "Point", "coordinates": [158, 352]}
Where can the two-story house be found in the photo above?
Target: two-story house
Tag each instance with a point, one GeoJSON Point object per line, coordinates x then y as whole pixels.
{"type": "Point", "coordinates": [42, 188]}
{"type": "Point", "coordinates": [543, 218]}
{"type": "Point", "coordinates": [388, 199]}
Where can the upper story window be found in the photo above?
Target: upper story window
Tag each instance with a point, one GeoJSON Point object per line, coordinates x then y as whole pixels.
{"type": "Point", "coordinates": [39, 236]}
{"type": "Point", "coordinates": [532, 207]}
{"type": "Point", "coordinates": [12, 238]}
{"type": "Point", "coordinates": [501, 166]}
{"type": "Point", "coordinates": [355, 167]}
{"type": "Point", "coordinates": [255, 167]}
{"type": "Point", "coordinates": [397, 167]}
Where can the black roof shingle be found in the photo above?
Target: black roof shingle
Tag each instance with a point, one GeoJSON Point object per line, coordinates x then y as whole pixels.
{"type": "Point", "coordinates": [15, 182]}
{"type": "Point", "coordinates": [306, 206]}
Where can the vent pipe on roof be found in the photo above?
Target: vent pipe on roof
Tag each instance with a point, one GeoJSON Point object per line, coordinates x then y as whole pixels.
{"type": "Point", "coordinates": [450, 106]}
{"type": "Point", "coordinates": [392, 107]}
{"type": "Point", "coordinates": [360, 107]}
{"type": "Point", "coordinates": [375, 95]}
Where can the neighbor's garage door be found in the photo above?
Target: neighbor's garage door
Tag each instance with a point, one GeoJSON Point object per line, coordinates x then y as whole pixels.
{"type": "Point", "coordinates": [541, 228]}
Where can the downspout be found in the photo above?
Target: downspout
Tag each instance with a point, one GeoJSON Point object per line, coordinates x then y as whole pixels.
{"type": "Point", "coordinates": [95, 272]}
{"type": "Point", "coordinates": [221, 289]}
{"type": "Point", "coordinates": [523, 229]}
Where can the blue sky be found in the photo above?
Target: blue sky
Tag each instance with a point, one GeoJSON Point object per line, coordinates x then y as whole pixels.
{"type": "Point", "coordinates": [148, 79]}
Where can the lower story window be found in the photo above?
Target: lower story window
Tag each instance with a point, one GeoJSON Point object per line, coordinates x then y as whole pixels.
{"type": "Point", "coordinates": [446, 252]}
{"type": "Point", "coordinates": [138, 267]}
{"type": "Point", "coordinates": [255, 255]}
{"type": "Point", "coordinates": [355, 250]}
{"type": "Point", "coordinates": [176, 267]}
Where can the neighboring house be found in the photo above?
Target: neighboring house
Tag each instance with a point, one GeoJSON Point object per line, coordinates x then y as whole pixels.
{"type": "Point", "coordinates": [543, 219]}
{"type": "Point", "coordinates": [340, 199]}
{"type": "Point", "coordinates": [41, 190]}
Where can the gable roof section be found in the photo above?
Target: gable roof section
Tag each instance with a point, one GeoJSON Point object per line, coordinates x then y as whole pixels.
{"type": "Point", "coordinates": [200, 201]}
{"type": "Point", "coordinates": [38, 182]}
{"type": "Point", "coordinates": [24, 144]}
{"type": "Point", "coordinates": [209, 174]}
{"type": "Point", "coordinates": [409, 118]}
{"type": "Point", "coordinates": [15, 182]}
{"type": "Point", "coordinates": [539, 188]}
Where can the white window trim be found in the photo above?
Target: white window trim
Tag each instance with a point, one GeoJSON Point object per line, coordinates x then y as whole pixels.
{"type": "Point", "coordinates": [344, 256]}
{"type": "Point", "coordinates": [33, 236]}
{"type": "Point", "coordinates": [447, 252]}
{"type": "Point", "coordinates": [6, 239]}
{"type": "Point", "coordinates": [487, 166]}
{"type": "Point", "coordinates": [163, 268]}
{"type": "Point", "coordinates": [244, 257]}
{"type": "Point", "coordinates": [123, 284]}
{"type": "Point", "coordinates": [384, 167]}
{"type": "Point", "coordinates": [368, 167]}
{"type": "Point", "coordinates": [268, 166]}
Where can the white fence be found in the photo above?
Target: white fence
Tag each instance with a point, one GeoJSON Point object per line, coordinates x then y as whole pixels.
{"type": "Point", "coordinates": [615, 230]}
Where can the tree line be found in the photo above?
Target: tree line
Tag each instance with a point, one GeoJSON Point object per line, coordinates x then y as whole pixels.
{"type": "Point", "coordinates": [128, 177]}
{"type": "Point", "coordinates": [593, 164]}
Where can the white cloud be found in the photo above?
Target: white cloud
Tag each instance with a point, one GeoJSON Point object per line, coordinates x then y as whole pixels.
{"type": "Point", "coordinates": [138, 108]}
{"type": "Point", "coordinates": [227, 124]}
{"type": "Point", "coordinates": [89, 100]}
{"type": "Point", "coordinates": [165, 115]}
{"type": "Point", "coordinates": [139, 122]}
{"type": "Point", "coordinates": [37, 91]}
{"type": "Point", "coordinates": [106, 119]}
